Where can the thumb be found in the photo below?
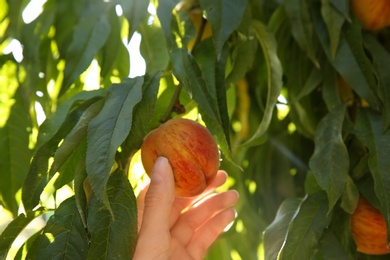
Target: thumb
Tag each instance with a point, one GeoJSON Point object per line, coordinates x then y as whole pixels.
{"type": "Point", "coordinates": [158, 200]}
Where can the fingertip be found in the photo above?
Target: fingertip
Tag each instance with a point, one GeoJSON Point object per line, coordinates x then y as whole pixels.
{"type": "Point", "coordinates": [231, 215]}
{"type": "Point", "coordinates": [223, 174]}
{"type": "Point", "coordinates": [161, 170]}
{"type": "Point", "coordinates": [236, 194]}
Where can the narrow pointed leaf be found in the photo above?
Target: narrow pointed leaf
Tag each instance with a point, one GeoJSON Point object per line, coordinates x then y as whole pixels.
{"type": "Point", "coordinates": [350, 196]}
{"type": "Point", "coordinates": [221, 88]}
{"type": "Point", "coordinates": [76, 135]}
{"type": "Point", "coordinates": [275, 233]}
{"type": "Point", "coordinates": [306, 228]}
{"type": "Point", "coordinates": [75, 167]}
{"type": "Point", "coordinates": [135, 12]}
{"type": "Point", "coordinates": [330, 248]}
{"type": "Point", "coordinates": [243, 57]}
{"type": "Point", "coordinates": [224, 17]}
{"type": "Point", "coordinates": [164, 13]}
{"type": "Point", "coordinates": [189, 73]}
{"type": "Point", "coordinates": [330, 160]}
{"type": "Point", "coordinates": [114, 237]}
{"type": "Point", "coordinates": [38, 174]}
{"type": "Point", "coordinates": [26, 247]}
{"type": "Point", "coordinates": [368, 129]}
{"type": "Point", "coordinates": [381, 61]}
{"type": "Point", "coordinates": [351, 61]}
{"type": "Point", "coordinates": [214, 74]}
{"type": "Point", "coordinates": [274, 78]}
{"type": "Point", "coordinates": [191, 76]}
{"type": "Point", "coordinates": [143, 115]}
{"type": "Point", "coordinates": [89, 36]}
{"type": "Point", "coordinates": [15, 153]}
{"type": "Point", "coordinates": [115, 56]}
{"type": "Point", "coordinates": [13, 229]}
{"type": "Point", "coordinates": [343, 7]}
{"type": "Point", "coordinates": [334, 21]}
{"type": "Point", "coordinates": [51, 125]}
{"type": "Point", "coordinates": [108, 130]}
{"type": "Point", "coordinates": [298, 11]}
{"type": "Point", "coordinates": [64, 236]}
{"type": "Point", "coordinates": [313, 81]}
{"type": "Point", "coordinates": [153, 50]}
{"type": "Point", "coordinates": [68, 168]}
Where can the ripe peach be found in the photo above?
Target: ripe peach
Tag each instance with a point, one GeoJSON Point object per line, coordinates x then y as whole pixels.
{"type": "Point", "coordinates": [368, 229]}
{"type": "Point", "coordinates": [191, 151]}
{"type": "Point", "coordinates": [373, 14]}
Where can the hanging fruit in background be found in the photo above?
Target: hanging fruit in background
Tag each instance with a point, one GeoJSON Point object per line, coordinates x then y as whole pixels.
{"type": "Point", "coordinates": [373, 14]}
{"type": "Point", "coordinates": [368, 229]}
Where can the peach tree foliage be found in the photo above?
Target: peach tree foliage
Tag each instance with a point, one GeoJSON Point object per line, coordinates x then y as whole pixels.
{"type": "Point", "coordinates": [299, 170]}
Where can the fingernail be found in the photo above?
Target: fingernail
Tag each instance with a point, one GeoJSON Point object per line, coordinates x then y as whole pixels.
{"type": "Point", "coordinates": [158, 169]}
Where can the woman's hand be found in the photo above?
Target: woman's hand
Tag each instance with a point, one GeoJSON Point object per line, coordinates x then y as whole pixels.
{"type": "Point", "coordinates": [180, 228]}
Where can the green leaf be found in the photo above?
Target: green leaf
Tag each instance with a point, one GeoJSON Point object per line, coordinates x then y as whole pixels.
{"type": "Point", "coordinates": [115, 56]}
{"type": "Point", "coordinates": [350, 196]}
{"type": "Point", "coordinates": [334, 20]}
{"type": "Point", "coordinates": [75, 136]}
{"type": "Point", "coordinates": [330, 160]}
{"type": "Point", "coordinates": [190, 75]}
{"type": "Point", "coordinates": [89, 36]}
{"type": "Point", "coordinates": [108, 130]}
{"type": "Point", "coordinates": [312, 82]}
{"type": "Point", "coordinates": [143, 115]}
{"type": "Point", "coordinates": [274, 78]}
{"type": "Point", "coordinates": [214, 74]}
{"type": "Point", "coordinates": [64, 235]}
{"type": "Point", "coordinates": [243, 56]}
{"type": "Point", "coordinates": [330, 248]}
{"type": "Point", "coordinates": [298, 12]}
{"type": "Point", "coordinates": [164, 13]}
{"type": "Point", "coordinates": [343, 7]}
{"type": "Point", "coordinates": [205, 57]}
{"type": "Point", "coordinates": [135, 12]}
{"type": "Point", "coordinates": [15, 14]}
{"type": "Point", "coordinates": [368, 129]}
{"type": "Point", "coordinates": [224, 17]}
{"type": "Point", "coordinates": [330, 90]}
{"type": "Point", "coordinates": [21, 254]}
{"type": "Point", "coordinates": [75, 167]}
{"type": "Point", "coordinates": [38, 175]}
{"type": "Point", "coordinates": [14, 149]}
{"type": "Point", "coordinates": [13, 229]}
{"type": "Point", "coordinates": [275, 233]}
{"type": "Point", "coordinates": [381, 61]}
{"type": "Point", "coordinates": [351, 61]}
{"type": "Point", "coordinates": [221, 89]}
{"type": "Point", "coordinates": [306, 228]}
{"type": "Point", "coordinates": [192, 78]}
{"type": "Point", "coordinates": [113, 237]}
{"type": "Point", "coordinates": [153, 50]}
{"type": "Point", "coordinates": [67, 169]}
{"type": "Point", "coordinates": [354, 39]}
{"type": "Point", "coordinates": [53, 124]}
{"type": "Point", "coordinates": [303, 118]}
{"type": "Point", "coordinates": [3, 9]}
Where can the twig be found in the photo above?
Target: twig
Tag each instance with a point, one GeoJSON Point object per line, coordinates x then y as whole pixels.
{"type": "Point", "coordinates": [172, 104]}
